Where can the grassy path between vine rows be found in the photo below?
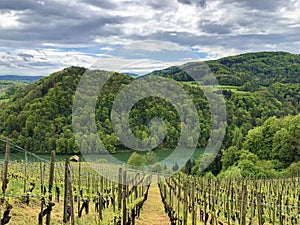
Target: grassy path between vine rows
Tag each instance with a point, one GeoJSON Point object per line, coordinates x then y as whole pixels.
{"type": "Point", "coordinates": [153, 212]}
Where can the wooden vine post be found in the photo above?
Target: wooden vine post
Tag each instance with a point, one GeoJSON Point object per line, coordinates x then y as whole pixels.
{"type": "Point", "coordinates": [79, 187]}
{"type": "Point", "coordinates": [124, 214]}
{"type": "Point", "coordinates": [244, 205]}
{"type": "Point", "coordinates": [25, 173]}
{"type": "Point", "coordinates": [101, 198]}
{"type": "Point", "coordinates": [178, 198]}
{"type": "Point", "coordinates": [5, 170]}
{"type": "Point", "coordinates": [51, 179]}
{"type": "Point", "coordinates": [68, 196]}
{"type": "Point", "coordinates": [194, 212]}
{"type": "Point", "coordinates": [120, 189]}
{"type": "Point", "coordinates": [42, 194]}
{"type": "Point", "coordinates": [185, 204]}
{"type": "Point", "coordinates": [49, 206]}
{"type": "Point", "coordinates": [260, 208]}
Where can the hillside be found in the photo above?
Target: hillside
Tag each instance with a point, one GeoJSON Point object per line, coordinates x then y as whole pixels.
{"type": "Point", "coordinates": [263, 68]}
{"type": "Point", "coordinates": [9, 87]}
{"type": "Point", "coordinates": [38, 116]}
{"type": "Point", "coordinates": [10, 83]}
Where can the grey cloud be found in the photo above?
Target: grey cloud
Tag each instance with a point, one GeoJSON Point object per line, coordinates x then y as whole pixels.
{"type": "Point", "coordinates": [63, 23]}
{"type": "Point", "coordinates": [18, 4]}
{"type": "Point", "coordinates": [160, 4]}
{"type": "Point", "coordinates": [241, 42]}
{"type": "Point", "coordinates": [40, 64]}
{"type": "Point", "coordinates": [187, 2]}
{"type": "Point", "coordinates": [201, 3]}
{"type": "Point", "coordinates": [101, 4]}
{"type": "Point", "coordinates": [212, 28]}
{"type": "Point", "coordinates": [59, 23]}
{"type": "Point", "coordinates": [26, 57]}
{"type": "Point", "coordinates": [265, 5]}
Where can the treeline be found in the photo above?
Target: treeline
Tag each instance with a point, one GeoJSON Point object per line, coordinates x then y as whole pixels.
{"type": "Point", "coordinates": [262, 68]}
{"type": "Point", "coordinates": [269, 150]}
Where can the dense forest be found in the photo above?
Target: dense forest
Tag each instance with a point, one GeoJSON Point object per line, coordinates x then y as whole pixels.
{"type": "Point", "coordinates": [262, 93]}
{"type": "Point", "coordinates": [264, 68]}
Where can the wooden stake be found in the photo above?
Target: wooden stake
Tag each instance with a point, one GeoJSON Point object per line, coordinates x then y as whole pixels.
{"type": "Point", "coordinates": [124, 214]}
{"type": "Point", "coordinates": [51, 179]}
{"type": "Point", "coordinates": [5, 170]}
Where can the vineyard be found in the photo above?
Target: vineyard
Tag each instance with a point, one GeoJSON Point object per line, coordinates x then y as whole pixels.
{"type": "Point", "coordinates": [190, 200]}
{"type": "Point", "coordinates": [68, 193]}
{"type": "Point", "coordinates": [49, 192]}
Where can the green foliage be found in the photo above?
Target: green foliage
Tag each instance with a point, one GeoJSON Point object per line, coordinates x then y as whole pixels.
{"type": "Point", "coordinates": [150, 158]}
{"type": "Point", "coordinates": [276, 139]}
{"type": "Point", "coordinates": [230, 157]}
{"type": "Point", "coordinates": [187, 169]}
{"type": "Point", "coordinates": [250, 86]}
{"type": "Point", "coordinates": [9, 87]}
{"type": "Point", "coordinates": [237, 139]}
{"type": "Point", "coordinates": [38, 116]}
{"type": "Point", "coordinates": [231, 173]}
{"type": "Point", "coordinates": [136, 160]}
{"type": "Point", "coordinates": [293, 169]}
{"type": "Point", "coordinates": [265, 68]}
{"type": "Point", "coordinates": [252, 166]}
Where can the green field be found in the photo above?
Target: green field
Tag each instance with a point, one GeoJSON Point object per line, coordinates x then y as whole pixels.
{"type": "Point", "coordinates": [223, 87]}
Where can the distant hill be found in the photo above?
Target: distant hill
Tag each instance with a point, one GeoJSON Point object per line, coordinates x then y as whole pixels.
{"type": "Point", "coordinates": [263, 68]}
{"type": "Point", "coordinates": [134, 75]}
{"type": "Point", "coordinates": [20, 78]}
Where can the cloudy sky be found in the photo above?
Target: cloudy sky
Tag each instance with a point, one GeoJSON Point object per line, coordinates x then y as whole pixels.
{"type": "Point", "coordinates": [42, 36]}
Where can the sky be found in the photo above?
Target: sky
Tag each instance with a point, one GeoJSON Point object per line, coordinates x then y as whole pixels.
{"type": "Point", "coordinates": [38, 37]}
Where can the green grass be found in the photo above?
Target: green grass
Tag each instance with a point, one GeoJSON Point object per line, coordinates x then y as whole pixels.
{"type": "Point", "coordinates": [223, 87]}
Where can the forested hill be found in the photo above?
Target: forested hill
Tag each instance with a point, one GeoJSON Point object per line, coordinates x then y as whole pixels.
{"type": "Point", "coordinates": [263, 68]}
{"type": "Point", "coordinates": [38, 116]}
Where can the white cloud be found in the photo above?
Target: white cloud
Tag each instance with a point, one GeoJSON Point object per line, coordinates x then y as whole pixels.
{"type": "Point", "coordinates": [218, 28]}
{"type": "Point", "coordinates": [137, 66]}
{"type": "Point", "coordinates": [216, 52]}
{"type": "Point", "coordinates": [41, 62]}
{"type": "Point", "coordinates": [9, 20]}
{"type": "Point", "coordinates": [154, 46]}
